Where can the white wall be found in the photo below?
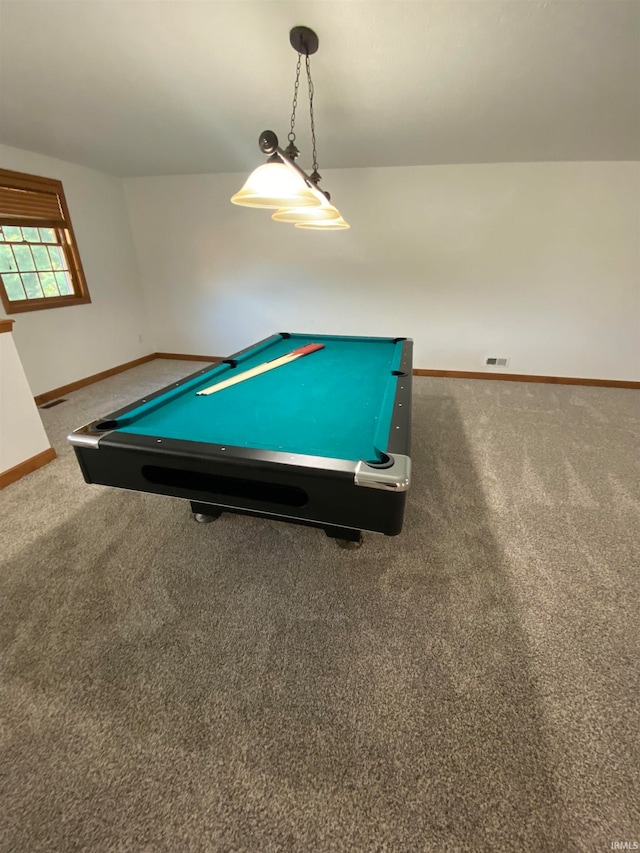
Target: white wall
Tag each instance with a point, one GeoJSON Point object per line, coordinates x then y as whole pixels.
{"type": "Point", "coordinates": [538, 262]}
{"type": "Point", "coordinates": [61, 345]}
{"type": "Point", "coordinates": [22, 435]}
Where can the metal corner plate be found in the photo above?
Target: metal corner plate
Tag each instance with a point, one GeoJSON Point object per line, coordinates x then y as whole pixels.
{"type": "Point", "coordinates": [396, 478]}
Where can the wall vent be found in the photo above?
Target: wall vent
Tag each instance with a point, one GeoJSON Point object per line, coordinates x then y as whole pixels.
{"type": "Point", "coordinates": [497, 362]}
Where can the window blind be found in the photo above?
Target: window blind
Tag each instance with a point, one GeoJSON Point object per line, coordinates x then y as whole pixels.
{"type": "Point", "coordinates": [31, 198]}
{"type": "Point", "coordinates": [24, 204]}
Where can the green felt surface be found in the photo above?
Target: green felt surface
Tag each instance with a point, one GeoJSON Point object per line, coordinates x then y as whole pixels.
{"type": "Point", "coordinates": [336, 402]}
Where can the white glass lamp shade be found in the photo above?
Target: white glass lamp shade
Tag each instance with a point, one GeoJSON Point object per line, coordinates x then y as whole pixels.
{"type": "Point", "coordinates": [325, 212]}
{"type": "Point", "coordinates": [325, 224]}
{"type": "Point", "coordinates": [274, 185]}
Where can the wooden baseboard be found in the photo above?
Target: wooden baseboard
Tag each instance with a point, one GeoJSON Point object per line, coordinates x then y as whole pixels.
{"type": "Point", "coordinates": [26, 467]}
{"type": "Point", "coordinates": [179, 356]}
{"type": "Point", "coordinates": [89, 380]}
{"type": "Point", "coordinates": [525, 377]}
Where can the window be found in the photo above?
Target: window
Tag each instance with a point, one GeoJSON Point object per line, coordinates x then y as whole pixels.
{"type": "Point", "coordinates": [39, 261]}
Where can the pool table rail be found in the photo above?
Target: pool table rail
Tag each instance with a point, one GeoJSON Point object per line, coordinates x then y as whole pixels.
{"type": "Point", "coordinates": [319, 490]}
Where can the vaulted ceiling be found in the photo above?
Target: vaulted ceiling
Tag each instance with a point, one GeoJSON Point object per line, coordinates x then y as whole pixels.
{"type": "Point", "coordinates": [186, 86]}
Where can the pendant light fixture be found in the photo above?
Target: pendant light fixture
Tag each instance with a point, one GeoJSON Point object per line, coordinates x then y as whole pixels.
{"type": "Point", "coordinates": [280, 184]}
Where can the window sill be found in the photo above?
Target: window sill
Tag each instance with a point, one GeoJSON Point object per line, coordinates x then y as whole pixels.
{"type": "Point", "coordinates": [43, 304]}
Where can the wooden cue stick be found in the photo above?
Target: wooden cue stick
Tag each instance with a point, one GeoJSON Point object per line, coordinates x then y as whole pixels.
{"type": "Point", "coordinates": [262, 368]}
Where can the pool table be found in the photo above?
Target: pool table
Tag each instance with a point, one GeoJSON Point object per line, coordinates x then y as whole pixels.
{"type": "Point", "coordinates": [323, 440]}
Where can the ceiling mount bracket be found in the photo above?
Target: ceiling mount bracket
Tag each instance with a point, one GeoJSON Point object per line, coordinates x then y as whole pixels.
{"type": "Point", "coordinates": [304, 40]}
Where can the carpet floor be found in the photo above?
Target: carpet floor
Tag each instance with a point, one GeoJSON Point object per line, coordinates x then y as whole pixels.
{"type": "Point", "coordinates": [472, 684]}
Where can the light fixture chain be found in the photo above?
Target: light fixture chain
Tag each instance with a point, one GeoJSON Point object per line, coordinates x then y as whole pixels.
{"type": "Point", "coordinates": [313, 127]}
{"type": "Point", "coordinates": [291, 137]}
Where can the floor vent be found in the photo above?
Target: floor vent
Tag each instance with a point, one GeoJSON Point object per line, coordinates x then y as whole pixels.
{"type": "Point", "coordinates": [497, 362]}
{"type": "Point", "coordinates": [51, 405]}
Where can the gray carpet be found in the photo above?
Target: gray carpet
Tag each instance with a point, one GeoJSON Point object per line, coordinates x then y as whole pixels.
{"type": "Point", "coordinates": [246, 685]}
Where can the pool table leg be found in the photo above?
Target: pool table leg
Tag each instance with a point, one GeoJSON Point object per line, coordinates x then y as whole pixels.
{"type": "Point", "coordinates": [349, 544]}
{"type": "Point", "coordinates": [344, 536]}
{"type": "Point", "coordinates": [205, 517]}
